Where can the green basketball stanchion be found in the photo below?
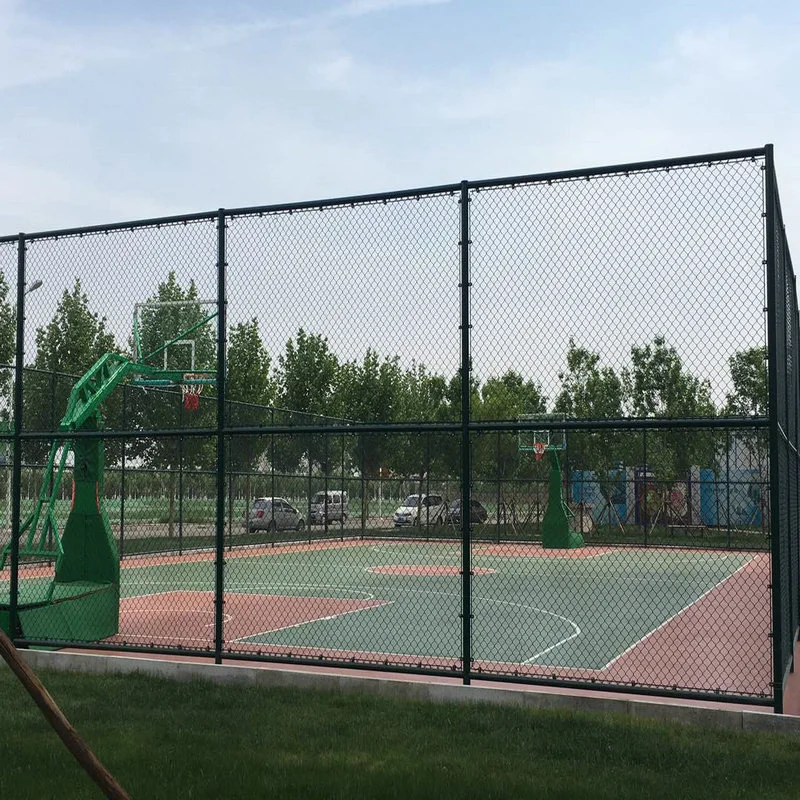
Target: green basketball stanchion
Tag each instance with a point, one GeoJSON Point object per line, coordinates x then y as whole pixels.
{"type": "Point", "coordinates": [81, 601]}
{"type": "Point", "coordinates": [557, 533]}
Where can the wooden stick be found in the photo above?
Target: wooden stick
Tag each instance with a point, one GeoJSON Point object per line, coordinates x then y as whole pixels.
{"type": "Point", "coordinates": [53, 714]}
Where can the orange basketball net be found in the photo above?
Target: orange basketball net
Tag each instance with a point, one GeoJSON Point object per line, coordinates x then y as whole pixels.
{"type": "Point", "coordinates": [191, 392]}
{"type": "Point", "coordinates": [538, 450]}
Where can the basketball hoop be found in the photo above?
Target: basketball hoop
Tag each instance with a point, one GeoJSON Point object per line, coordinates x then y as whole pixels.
{"type": "Point", "coordinates": [191, 392]}
{"type": "Point", "coordinates": [538, 450]}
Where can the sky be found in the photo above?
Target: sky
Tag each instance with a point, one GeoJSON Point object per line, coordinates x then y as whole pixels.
{"type": "Point", "coordinates": [118, 111]}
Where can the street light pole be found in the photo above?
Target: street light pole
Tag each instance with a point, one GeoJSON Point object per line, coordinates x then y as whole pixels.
{"type": "Point", "coordinates": [37, 284]}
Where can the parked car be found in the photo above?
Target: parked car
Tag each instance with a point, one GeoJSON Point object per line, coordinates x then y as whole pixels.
{"type": "Point", "coordinates": [333, 507]}
{"type": "Point", "coordinates": [415, 506]}
{"type": "Point", "coordinates": [273, 514]}
{"type": "Point", "coordinates": [477, 512]}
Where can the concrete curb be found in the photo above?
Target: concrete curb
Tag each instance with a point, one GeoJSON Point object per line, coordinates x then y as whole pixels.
{"type": "Point", "coordinates": [436, 692]}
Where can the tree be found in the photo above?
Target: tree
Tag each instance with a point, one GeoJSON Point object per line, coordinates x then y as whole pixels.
{"type": "Point", "coordinates": [750, 398]}
{"type": "Point", "coordinates": [66, 347]}
{"type": "Point", "coordinates": [425, 397]}
{"type": "Point", "coordinates": [369, 392]}
{"type": "Point", "coordinates": [657, 385]}
{"type": "Point", "coordinates": [497, 456]}
{"type": "Point", "coordinates": [250, 391]}
{"type": "Point", "coordinates": [750, 395]}
{"type": "Point", "coordinates": [590, 391]}
{"type": "Point", "coordinates": [159, 325]}
{"type": "Point", "coordinates": [509, 397]}
{"type": "Point", "coordinates": [306, 377]}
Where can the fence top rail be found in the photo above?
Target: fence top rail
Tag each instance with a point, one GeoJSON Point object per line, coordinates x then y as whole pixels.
{"type": "Point", "coordinates": [624, 169]}
{"type": "Point", "coordinates": [386, 197]}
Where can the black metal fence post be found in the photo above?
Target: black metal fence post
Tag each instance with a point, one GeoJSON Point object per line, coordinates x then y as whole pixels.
{"type": "Point", "coordinates": [219, 585]}
{"type": "Point", "coordinates": [180, 478]}
{"type": "Point", "coordinates": [16, 474]}
{"type": "Point", "coordinates": [776, 497]}
{"type": "Point", "coordinates": [271, 471]}
{"type": "Point", "coordinates": [795, 541]}
{"type": "Point", "coordinates": [361, 462]}
{"type": "Point", "coordinates": [342, 489]}
{"type": "Point", "coordinates": [644, 484]}
{"type": "Point", "coordinates": [466, 465]}
{"type": "Point", "coordinates": [122, 474]}
{"type": "Point", "coordinates": [327, 483]}
{"type": "Point", "coordinates": [728, 485]}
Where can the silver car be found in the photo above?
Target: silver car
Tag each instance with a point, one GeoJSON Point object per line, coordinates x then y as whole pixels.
{"type": "Point", "coordinates": [273, 514]}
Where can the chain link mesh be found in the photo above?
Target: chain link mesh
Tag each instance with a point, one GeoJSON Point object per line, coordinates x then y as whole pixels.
{"type": "Point", "coordinates": [621, 313]}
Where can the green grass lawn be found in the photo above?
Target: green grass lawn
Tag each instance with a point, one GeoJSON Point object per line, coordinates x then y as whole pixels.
{"type": "Point", "coordinates": [175, 740]}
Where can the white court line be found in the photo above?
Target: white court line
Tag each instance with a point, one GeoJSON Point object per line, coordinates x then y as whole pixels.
{"type": "Point", "coordinates": [242, 588]}
{"type": "Point", "coordinates": [676, 614]}
{"type": "Point", "coordinates": [574, 625]}
{"type": "Point", "coordinates": [368, 596]}
{"type": "Point", "coordinates": [243, 639]}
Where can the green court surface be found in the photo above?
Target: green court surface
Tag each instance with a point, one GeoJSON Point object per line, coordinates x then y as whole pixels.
{"type": "Point", "coordinates": [405, 599]}
{"type": "Point", "coordinates": [658, 617]}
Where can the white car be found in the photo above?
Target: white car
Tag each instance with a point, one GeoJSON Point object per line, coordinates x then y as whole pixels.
{"type": "Point", "coordinates": [416, 507]}
{"type": "Point", "coordinates": [273, 514]}
{"type": "Point", "coordinates": [334, 506]}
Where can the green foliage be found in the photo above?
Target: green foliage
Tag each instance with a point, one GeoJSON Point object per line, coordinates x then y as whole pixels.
{"type": "Point", "coordinates": [250, 391]}
{"type": "Point", "coordinates": [306, 377]}
{"type": "Point", "coordinates": [307, 374]}
{"type": "Point", "coordinates": [66, 348]}
{"type": "Point", "coordinates": [370, 392]}
{"type": "Point", "coordinates": [248, 379]}
{"type": "Point", "coordinates": [7, 341]}
{"type": "Point", "coordinates": [591, 391]}
{"type": "Point", "coordinates": [749, 377]}
{"type": "Point", "coordinates": [427, 397]}
{"type": "Point", "coordinates": [509, 397]}
{"type": "Point", "coordinates": [75, 338]}
{"type": "Point", "coordinates": [158, 325]}
{"type": "Point", "coordinates": [750, 397]}
{"type": "Point", "coordinates": [658, 386]}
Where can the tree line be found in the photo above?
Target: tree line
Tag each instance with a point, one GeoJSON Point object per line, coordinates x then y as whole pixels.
{"type": "Point", "coordinates": [309, 384]}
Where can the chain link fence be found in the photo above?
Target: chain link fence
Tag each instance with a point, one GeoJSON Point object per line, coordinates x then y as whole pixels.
{"type": "Point", "coordinates": [359, 483]}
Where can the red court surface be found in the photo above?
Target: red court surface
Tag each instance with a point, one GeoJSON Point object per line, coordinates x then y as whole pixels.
{"type": "Point", "coordinates": [689, 651]}
{"type": "Point", "coordinates": [188, 617]}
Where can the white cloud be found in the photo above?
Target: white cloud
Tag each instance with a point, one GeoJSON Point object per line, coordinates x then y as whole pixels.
{"type": "Point", "coordinates": [286, 109]}
{"type": "Point", "coordinates": [357, 8]}
{"type": "Point", "coordinates": [336, 70]}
